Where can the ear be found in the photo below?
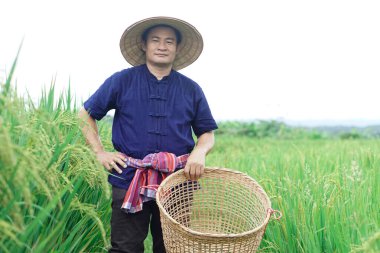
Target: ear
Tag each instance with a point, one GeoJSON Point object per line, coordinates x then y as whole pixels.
{"type": "Point", "coordinates": [178, 49]}
{"type": "Point", "coordinates": [143, 46]}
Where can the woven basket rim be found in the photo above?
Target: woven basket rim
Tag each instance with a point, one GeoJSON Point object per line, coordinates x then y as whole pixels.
{"type": "Point", "coordinates": [212, 235]}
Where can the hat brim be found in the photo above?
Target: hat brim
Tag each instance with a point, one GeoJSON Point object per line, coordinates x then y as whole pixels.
{"type": "Point", "coordinates": [190, 48]}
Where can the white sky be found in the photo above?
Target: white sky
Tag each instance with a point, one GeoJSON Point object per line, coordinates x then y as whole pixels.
{"type": "Point", "coordinates": [292, 60]}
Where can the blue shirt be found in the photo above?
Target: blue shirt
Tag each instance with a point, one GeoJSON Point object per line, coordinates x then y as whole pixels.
{"type": "Point", "coordinates": [151, 115]}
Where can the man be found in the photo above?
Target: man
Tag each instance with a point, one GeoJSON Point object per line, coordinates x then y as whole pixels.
{"type": "Point", "coordinates": [156, 109]}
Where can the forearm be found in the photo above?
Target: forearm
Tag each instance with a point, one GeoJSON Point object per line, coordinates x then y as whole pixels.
{"type": "Point", "coordinates": [205, 143]}
{"type": "Point", "coordinates": [90, 131]}
{"type": "Point", "coordinates": [110, 160]}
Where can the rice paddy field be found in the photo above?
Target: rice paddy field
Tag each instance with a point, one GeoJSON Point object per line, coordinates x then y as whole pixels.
{"type": "Point", "coordinates": [55, 196]}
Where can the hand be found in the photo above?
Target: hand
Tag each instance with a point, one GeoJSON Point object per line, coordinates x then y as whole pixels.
{"type": "Point", "coordinates": [195, 165]}
{"type": "Point", "coordinates": [110, 160]}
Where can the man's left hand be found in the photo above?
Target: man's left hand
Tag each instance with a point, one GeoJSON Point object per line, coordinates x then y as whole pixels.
{"type": "Point", "coordinates": [195, 165]}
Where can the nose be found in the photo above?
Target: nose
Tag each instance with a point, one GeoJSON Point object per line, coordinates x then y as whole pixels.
{"type": "Point", "coordinates": [162, 45]}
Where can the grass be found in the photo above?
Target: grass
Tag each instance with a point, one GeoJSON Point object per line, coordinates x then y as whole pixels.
{"type": "Point", "coordinates": [55, 197]}
{"type": "Point", "coordinates": [327, 191]}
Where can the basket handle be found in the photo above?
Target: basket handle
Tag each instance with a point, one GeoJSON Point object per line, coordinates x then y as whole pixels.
{"type": "Point", "coordinates": [276, 213]}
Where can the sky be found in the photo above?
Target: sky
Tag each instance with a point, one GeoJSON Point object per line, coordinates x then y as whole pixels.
{"type": "Point", "coordinates": [294, 61]}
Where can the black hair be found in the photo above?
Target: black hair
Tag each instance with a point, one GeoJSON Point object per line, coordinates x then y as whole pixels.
{"type": "Point", "coordinates": [178, 34]}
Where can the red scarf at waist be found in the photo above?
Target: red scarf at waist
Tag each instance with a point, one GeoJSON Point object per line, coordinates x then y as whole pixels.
{"type": "Point", "coordinates": [151, 171]}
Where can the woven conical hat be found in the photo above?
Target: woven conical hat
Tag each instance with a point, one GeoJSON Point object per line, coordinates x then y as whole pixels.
{"type": "Point", "coordinates": [190, 49]}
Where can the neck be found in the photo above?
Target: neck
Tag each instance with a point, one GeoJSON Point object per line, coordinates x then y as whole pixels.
{"type": "Point", "coordinates": [159, 71]}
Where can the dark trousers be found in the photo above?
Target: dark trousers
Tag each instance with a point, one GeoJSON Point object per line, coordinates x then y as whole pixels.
{"type": "Point", "coordinates": [128, 231]}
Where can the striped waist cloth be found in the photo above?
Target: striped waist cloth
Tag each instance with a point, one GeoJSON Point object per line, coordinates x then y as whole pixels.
{"type": "Point", "coordinates": [151, 171]}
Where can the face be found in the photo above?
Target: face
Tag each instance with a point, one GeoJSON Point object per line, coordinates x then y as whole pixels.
{"type": "Point", "coordinates": [160, 47]}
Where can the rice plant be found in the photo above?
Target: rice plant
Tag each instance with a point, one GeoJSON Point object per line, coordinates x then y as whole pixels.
{"type": "Point", "coordinates": [54, 195]}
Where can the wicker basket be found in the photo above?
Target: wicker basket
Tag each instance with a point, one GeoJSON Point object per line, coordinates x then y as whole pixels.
{"type": "Point", "coordinates": [225, 211]}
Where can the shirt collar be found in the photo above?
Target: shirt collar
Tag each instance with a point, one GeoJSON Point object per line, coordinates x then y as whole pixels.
{"type": "Point", "coordinates": [151, 77]}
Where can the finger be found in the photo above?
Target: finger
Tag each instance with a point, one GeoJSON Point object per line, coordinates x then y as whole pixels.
{"type": "Point", "coordinates": [121, 162]}
{"type": "Point", "coordinates": [198, 172]}
{"type": "Point", "coordinates": [108, 167]}
{"type": "Point", "coordinates": [186, 171]}
{"type": "Point", "coordinates": [122, 156]}
{"type": "Point", "coordinates": [193, 171]}
{"type": "Point", "coordinates": [202, 171]}
{"type": "Point", "coordinates": [115, 167]}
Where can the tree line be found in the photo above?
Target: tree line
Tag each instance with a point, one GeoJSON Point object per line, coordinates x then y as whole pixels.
{"type": "Point", "coordinates": [280, 130]}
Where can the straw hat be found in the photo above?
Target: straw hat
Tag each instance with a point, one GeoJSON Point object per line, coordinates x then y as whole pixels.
{"type": "Point", "coordinates": [190, 47]}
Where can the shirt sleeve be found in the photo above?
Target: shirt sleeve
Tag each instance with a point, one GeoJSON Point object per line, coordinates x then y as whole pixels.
{"type": "Point", "coordinates": [104, 99]}
{"type": "Point", "coordinates": [203, 121]}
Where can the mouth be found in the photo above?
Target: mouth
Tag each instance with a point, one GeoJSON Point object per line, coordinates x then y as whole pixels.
{"type": "Point", "coordinates": [161, 55]}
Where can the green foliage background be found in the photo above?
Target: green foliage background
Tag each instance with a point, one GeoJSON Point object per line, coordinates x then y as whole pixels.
{"type": "Point", "coordinates": [55, 196]}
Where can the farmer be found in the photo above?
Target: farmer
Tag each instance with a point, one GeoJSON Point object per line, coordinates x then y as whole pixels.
{"type": "Point", "coordinates": [156, 109]}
